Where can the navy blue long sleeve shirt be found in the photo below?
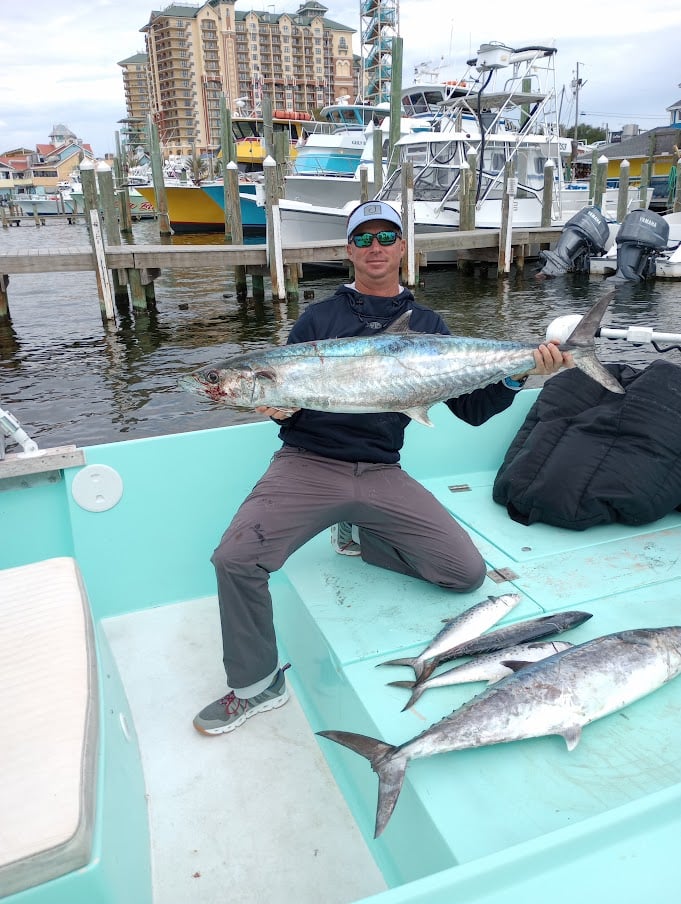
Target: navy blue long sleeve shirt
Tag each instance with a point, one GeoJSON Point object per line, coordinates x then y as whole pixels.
{"type": "Point", "coordinates": [376, 437]}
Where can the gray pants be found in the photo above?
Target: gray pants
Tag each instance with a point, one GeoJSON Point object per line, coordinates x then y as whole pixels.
{"type": "Point", "coordinates": [402, 527]}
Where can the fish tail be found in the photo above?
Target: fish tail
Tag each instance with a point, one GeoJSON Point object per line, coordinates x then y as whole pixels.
{"type": "Point", "coordinates": [426, 670]}
{"type": "Point", "coordinates": [412, 663]}
{"type": "Point", "coordinates": [416, 691]}
{"type": "Point", "coordinates": [581, 343]}
{"type": "Point", "coordinates": [387, 763]}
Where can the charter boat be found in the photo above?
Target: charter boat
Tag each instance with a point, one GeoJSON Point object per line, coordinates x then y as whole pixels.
{"type": "Point", "coordinates": [110, 643]}
{"type": "Point", "coordinates": [326, 172]}
{"type": "Point", "coordinates": [249, 136]}
{"type": "Point", "coordinates": [45, 204]}
{"type": "Point", "coordinates": [505, 113]}
{"type": "Point", "coordinates": [197, 208]}
{"type": "Point", "coordinates": [334, 146]}
{"type": "Point", "coordinates": [140, 207]}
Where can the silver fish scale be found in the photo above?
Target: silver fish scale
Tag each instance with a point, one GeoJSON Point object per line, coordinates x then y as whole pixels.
{"type": "Point", "coordinates": [385, 373]}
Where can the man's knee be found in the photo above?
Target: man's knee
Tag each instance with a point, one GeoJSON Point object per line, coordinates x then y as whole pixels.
{"type": "Point", "coordinates": [227, 556]}
{"type": "Point", "coordinates": [465, 577]}
{"type": "Point", "coordinates": [475, 578]}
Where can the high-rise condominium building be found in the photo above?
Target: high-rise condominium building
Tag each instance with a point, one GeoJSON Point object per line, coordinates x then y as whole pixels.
{"type": "Point", "coordinates": [302, 60]}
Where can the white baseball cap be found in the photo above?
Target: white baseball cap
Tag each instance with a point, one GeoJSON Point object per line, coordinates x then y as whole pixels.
{"type": "Point", "coordinates": [372, 210]}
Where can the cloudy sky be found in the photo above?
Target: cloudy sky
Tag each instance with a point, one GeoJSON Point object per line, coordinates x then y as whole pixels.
{"type": "Point", "coordinates": [59, 61]}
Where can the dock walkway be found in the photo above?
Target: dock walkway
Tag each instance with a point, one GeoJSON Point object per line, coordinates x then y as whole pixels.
{"type": "Point", "coordinates": [165, 256]}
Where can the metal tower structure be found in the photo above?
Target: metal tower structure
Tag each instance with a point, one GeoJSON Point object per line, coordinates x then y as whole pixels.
{"type": "Point", "coordinates": [380, 23]}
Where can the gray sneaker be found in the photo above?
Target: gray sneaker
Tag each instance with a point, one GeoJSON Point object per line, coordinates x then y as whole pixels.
{"type": "Point", "coordinates": [230, 711]}
{"type": "Point", "coordinates": [345, 539]}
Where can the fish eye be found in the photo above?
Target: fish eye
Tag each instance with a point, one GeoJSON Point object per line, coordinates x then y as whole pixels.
{"type": "Point", "coordinates": [213, 377]}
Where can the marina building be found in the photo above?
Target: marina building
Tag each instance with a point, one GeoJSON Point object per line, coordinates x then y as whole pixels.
{"type": "Point", "coordinates": [194, 54]}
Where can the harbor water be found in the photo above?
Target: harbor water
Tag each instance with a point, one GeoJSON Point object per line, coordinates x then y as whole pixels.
{"type": "Point", "coordinates": [69, 378]}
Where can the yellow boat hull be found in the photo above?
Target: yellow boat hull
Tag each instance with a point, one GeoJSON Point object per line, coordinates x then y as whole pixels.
{"type": "Point", "coordinates": [190, 209]}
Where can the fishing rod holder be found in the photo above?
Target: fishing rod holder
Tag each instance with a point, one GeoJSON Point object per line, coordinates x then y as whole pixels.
{"type": "Point", "coordinates": [11, 431]}
{"type": "Point", "coordinates": [561, 327]}
{"type": "Point", "coordinates": [642, 335]}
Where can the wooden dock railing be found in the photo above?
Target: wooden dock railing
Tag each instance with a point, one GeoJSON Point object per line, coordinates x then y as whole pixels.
{"type": "Point", "coordinates": [147, 261]}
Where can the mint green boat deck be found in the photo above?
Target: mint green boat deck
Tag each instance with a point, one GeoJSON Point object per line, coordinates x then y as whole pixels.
{"type": "Point", "coordinates": [259, 811]}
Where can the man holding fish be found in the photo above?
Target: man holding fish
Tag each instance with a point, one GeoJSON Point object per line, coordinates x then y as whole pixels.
{"type": "Point", "coordinates": [340, 465]}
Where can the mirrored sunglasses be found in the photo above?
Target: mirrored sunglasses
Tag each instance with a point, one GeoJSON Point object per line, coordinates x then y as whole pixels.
{"type": "Point", "coordinates": [365, 239]}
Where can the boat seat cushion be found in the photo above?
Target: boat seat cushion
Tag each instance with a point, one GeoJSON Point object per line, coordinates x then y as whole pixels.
{"type": "Point", "coordinates": [49, 711]}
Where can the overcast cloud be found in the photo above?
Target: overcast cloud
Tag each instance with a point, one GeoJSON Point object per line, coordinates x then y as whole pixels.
{"type": "Point", "coordinates": [60, 65]}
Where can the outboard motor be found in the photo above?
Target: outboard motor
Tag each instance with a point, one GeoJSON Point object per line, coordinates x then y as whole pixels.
{"type": "Point", "coordinates": [642, 235]}
{"type": "Point", "coordinates": [583, 235]}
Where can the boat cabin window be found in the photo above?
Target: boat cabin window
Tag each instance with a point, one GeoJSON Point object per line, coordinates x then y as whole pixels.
{"type": "Point", "coordinates": [246, 128]}
{"type": "Point", "coordinates": [444, 152]}
{"type": "Point", "coordinates": [434, 182]}
{"type": "Point", "coordinates": [539, 164]}
{"type": "Point", "coordinates": [494, 160]}
{"type": "Point", "coordinates": [416, 153]}
{"type": "Point", "coordinates": [422, 101]}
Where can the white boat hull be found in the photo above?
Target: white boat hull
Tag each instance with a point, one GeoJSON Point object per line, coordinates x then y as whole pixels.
{"type": "Point", "coordinates": [48, 206]}
{"type": "Point", "coordinates": [324, 191]}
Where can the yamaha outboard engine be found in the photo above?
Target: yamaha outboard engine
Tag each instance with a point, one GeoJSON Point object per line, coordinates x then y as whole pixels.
{"type": "Point", "coordinates": [583, 235]}
{"type": "Point", "coordinates": [642, 235]}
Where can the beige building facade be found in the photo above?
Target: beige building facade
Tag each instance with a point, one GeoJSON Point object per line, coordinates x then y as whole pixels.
{"type": "Point", "coordinates": [195, 54]}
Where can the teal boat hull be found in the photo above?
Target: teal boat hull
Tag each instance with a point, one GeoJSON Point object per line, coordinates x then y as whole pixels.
{"type": "Point", "coordinates": [512, 823]}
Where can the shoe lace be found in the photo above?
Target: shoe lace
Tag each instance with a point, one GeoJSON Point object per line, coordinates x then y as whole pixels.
{"type": "Point", "coordinates": [232, 703]}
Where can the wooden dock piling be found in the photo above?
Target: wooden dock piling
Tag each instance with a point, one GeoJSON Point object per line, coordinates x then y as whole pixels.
{"type": "Point", "coordinates": [377, 153]}
{"type": "Point", "coordinates": [600, 183]}
{"type": "Point", "coordinates": [645, 183]}
{"type": "Point", "coordinates": [409, 263]}
{"type": "Point", "coordinates": [235, 231]}
{"type": "Point", "coordinates": [465, 186]}
{"type": "Point", "coordinates": [123, 195]}
{"type": "Point", "coordinates": [274, 259]}
{"type": "Point", "coordinates": [363, 184]}
{"type": "Point", "coordinates": [506, 232]}
{"type": "Point", "coordinates": [4, 300]}
{"type": "Point", "coordinates": [110, 210]}
{"type": "Point", "coordinates": [395, 102]}
{"type": "Point", "coordinates": [547, 195]}
{"type": "Point", "coordinates": [104, 285]}
{"type": "Point", "coordinates": [623, 191]}
{"type": "Point", "coordinates": [157, 179]}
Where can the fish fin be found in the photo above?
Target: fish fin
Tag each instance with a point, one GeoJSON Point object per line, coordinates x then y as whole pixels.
{"type": "Point", "coordinates": [592, 367]}
{"type": "Point", "coordinates": [266, 373]}
{"type": "Point", "coordinates": [400, 324]}
{"type": "Point", "coordinates": [389, 767]}
{"type": "Point", "coordinates": [425, 670]}
{"type": "Point", "coordinates": [515, 665]}
{"type": "Point", "coordinates": [419, 414]}
{"type": "Point", "coordinates": [416, 692]}
{"type": "Point", "coordinates": [416, 689]}
{"type": "Point", "coordinates": [581, 341]}
{"type": "Point", "coordinates": [572, 736]}
{"type": "Point", "coordinates": [410, 662]}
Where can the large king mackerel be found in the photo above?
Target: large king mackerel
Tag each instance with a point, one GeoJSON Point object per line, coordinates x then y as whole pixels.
{"type": "Point", "coordinates": [396, 370]}
{"type": "Point", "coordinates": [557, 696]}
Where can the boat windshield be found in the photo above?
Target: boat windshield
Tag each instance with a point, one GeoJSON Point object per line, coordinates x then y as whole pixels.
{"type": "Point", "coordinates": [353, 116]}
